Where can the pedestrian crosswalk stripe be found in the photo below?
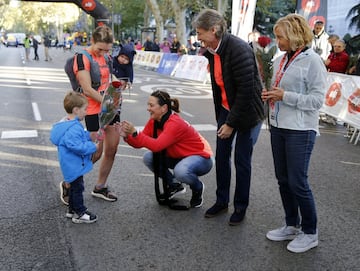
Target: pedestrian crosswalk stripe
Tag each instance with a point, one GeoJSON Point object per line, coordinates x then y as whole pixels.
{"type": "Point", "coordinates": [19, 134]}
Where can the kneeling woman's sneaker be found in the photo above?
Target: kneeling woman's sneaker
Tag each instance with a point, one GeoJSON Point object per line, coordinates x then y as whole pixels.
{"type": "Point", "coordinates": [86, 217]}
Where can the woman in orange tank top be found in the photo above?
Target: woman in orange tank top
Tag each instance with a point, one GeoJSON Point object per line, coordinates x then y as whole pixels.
{"type": "Point", "coordinates": [101, 44]}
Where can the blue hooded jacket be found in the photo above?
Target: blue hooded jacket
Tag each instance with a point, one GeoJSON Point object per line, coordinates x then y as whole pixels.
{"type": "Point", "coordinates": [74, 148]}
{"type": "Point", "coordinates": [124, 70]}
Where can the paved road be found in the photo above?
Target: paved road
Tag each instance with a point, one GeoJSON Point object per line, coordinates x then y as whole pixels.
{"type": "Point", "coordinates": [135, 233]}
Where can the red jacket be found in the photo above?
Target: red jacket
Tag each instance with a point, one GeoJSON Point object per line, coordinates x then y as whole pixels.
{"type": "Point", "coordinates": [339, 62]}
{"type": "Point", "coordinates": [178, 137]}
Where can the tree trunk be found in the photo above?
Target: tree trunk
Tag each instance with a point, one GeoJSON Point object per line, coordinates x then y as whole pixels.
{"type": "Point", "coordinates": [154, 6]}
{"type": "Point", "coordinates": [180, 21]}
{"type": "Point", "coordinates": [222, 6]}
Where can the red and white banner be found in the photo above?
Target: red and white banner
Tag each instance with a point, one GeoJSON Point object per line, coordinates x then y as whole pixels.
{"type": "Point", "coordinates": [192, 68]}
{"type": "Point", "coordinates": [342, 99]}
{"type": "Point", "coordinates": [148, 58]}
{"type": "Point", "coordinates": [313, 10]}
{"type": "Point", "coordinates": [242, 19]}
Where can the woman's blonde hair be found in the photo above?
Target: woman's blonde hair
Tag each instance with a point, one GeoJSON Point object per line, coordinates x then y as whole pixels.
{"type": "Point", "coordinates": [103, 34]}
{"type": "Point", "coordinates": [296, 30]}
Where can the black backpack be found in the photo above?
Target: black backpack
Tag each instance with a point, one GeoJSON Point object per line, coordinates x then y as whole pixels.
{"type": "Point", "coordinates": [94, 70]}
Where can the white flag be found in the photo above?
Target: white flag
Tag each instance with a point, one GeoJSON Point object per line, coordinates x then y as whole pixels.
{"type": "Point", "coordinates": [243, 12]}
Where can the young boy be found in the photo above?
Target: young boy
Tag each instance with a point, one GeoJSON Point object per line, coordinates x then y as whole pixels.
{"type": "Point", "coordinates": [75, 149]}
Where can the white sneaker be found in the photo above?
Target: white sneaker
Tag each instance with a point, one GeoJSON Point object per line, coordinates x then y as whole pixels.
{"type": "Point", "coordinates": [87, 217]}
{"type": "Point", "coordinates": [282, 234]}
{"type": "Point", "coordinates": [303, 242]}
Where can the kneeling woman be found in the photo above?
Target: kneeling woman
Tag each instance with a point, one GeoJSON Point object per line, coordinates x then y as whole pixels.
{"type": "Point", "coordinates": [185, 150]}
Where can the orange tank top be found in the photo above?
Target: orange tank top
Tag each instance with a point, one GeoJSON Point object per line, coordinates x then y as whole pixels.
{"type": "Point", "coordinates": [94, 106]}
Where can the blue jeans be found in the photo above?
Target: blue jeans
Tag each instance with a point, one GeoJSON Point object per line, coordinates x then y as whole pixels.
{"type": "Point", "coordinates": [76, 199]}
{"type": "Point", "coordinates": [244, 144]}
{"type": "Point", "coordinates": [291, 152]}
{"type": "Point", "coordinates": [186, 170]}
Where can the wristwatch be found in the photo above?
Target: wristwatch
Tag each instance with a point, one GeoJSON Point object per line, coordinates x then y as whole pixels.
{"type": "Point", "coordinates": [134, 134]}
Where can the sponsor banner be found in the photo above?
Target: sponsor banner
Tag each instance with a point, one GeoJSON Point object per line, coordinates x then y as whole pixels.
{"type": "Point", "coordinates": [192, 67]}
{"type": "Point", "coordinates": [242, 19]}
{"type": "Point", "coordinates": [313, 10]}
{"type": "Point", "coordinates": [167, 63]}
{"type": "Point", "coordinates": [148, 58]}
{"type": "Point", "coordinates": [342, 99]}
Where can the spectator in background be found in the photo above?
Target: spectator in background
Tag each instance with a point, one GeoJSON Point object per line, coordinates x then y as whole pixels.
{"type": "Point", "coordinates": [175, 46]}
{"type": "Point", "coordinates": [138, 45]}
{"type": "Point", "coordinates": [165, 46]}
{"type": "Point", "coordinates": [156, 45]}
{"type": "Point", "coordinates": [35, 46]}
{"type": "Point", "coordinates": [148, 44]}
{"type": "Point", "coordinates": [27, 44]}
{"type": "Point", "coordinates": [130, 41]}
{"type": "Point", "coordinates": [47, 45]}
{"type": "Point", "coordinates": [355, 69]}
{"type": "Point", "coordinates": [338, 60]}
{"type": "Point", "coordinates": [320, 42]}
{"type": "Point", "coordinates": [183, 50]}
{"type": "Point", "coordinates": [332, 38]}
{"type": "Point", "coordinates": [190, 46]}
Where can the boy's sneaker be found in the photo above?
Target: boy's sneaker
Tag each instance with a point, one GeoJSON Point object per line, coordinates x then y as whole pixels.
{"type": "Point", "coordinates": [303, 242]}
{"type": "Point", "coordinates": [176, 189]}
{"type": "Point", "coordinates": [104, 194]}
{"type": "Point", "coordinates": [284, 233]}
{"type": "Point", "coordinates": [87, 218]}
{"type": "Point", "coordinates": [70, 214]}
{"type": "Point", "coordinates": [197, 199]}
{"type": "Point", "coordinates": [64, 193]}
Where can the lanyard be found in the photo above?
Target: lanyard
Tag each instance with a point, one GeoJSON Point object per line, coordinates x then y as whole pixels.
{"type": "Point", "coordinates": [281, 71]}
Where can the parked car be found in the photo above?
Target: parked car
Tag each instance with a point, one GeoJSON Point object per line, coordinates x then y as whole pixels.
{"type": "Point", "coordinates": [18, 36]}
{"type": "Point", "coordinates": [11, 41]}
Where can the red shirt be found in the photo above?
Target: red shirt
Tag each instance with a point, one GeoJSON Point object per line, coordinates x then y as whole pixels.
{"type": "Point", "coordinates": [178, 137]}
{"type": "Point", "coordinates": [220, 82]}
{"type": "Point", "coordinates": [339, 62]}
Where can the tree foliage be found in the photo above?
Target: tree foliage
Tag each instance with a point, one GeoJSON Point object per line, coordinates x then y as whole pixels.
{"type": "Point", "coordinates": [268, 12]}
{"type": "Point", "coordinates": [36, 17]}
{"type": "Point", "coordinates": [354, 15]}
{"type": "Point", "coordinates": [353, 43]}
{"type": "Point", "coordinates": [136, 14]}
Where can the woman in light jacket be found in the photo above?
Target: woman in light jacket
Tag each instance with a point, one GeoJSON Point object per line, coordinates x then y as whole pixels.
{"type": "Point", "coordinates": [299, 84]}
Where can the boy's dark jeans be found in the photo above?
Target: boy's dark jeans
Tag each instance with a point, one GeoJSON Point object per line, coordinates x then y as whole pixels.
{"type": "Point", "coordinates": [76, 200]}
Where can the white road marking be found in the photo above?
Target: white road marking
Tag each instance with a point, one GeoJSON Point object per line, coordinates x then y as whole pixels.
{"type": "Point", "coordinates": [187, 114]}
{"type": "Point", "coordinates": [350, 163]}
{"type": "Point", "coordinates": [198, 127]}
{"type": "Point", "coordinates": [201, 127]}
{"type": "Point", "coordinates": [19, 134]}
{"type": "Point", "coordinates": [36, 111]}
